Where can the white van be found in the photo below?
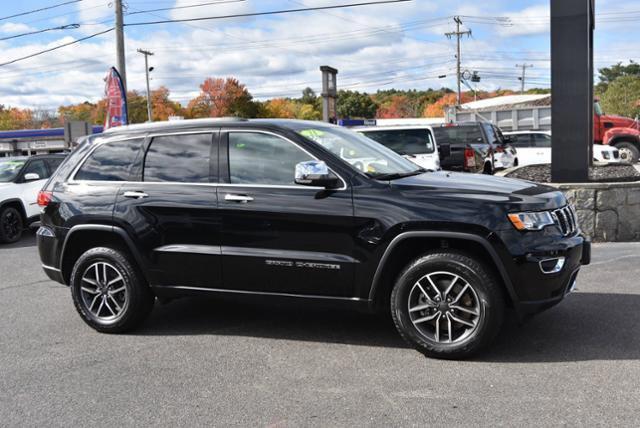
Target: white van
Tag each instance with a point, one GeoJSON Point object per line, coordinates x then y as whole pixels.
{"type": "Point", "coordinates": [414, 142]}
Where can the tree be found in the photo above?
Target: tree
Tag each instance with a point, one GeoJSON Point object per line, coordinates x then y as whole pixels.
{"type": "Point", "coordinates": [15, 118]}
{"type": "Point", "coordinates": [622, 96]}
{"type": "Point", "coordinates": [608, 75]}
{"type": "Point", "coordinates": [279, 108]}
{"type": "Point", "coordinates": [84, 111]}
{"type": "Point", "coordinates": [399, 106]}
{"type": "Point", "coordinates": [162, 107]}
{"type": "Point", "coordinates": [222, 97]}
{"type": "Point", "coordinates": [353, 104]}
{"type": "Point", "coordinates": [308, 96]}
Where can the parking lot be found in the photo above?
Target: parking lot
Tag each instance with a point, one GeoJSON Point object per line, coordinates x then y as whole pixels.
{"type": "Point", "coordinates": [219, 364]}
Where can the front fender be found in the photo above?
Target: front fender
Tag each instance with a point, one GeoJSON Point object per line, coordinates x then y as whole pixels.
{"type": "Point", "coordinates": [617, 134]}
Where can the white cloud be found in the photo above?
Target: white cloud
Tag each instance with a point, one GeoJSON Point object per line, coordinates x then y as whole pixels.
{"type": "Point", "coordinates": [14, 27]}
{"type": "Point", "coordinates": [530, 21]}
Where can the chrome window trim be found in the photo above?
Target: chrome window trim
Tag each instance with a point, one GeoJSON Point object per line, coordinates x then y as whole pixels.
{"type": "Point", "coordinates": [282, 137]}
{"type": "Point", "coordinates": [72, 180]}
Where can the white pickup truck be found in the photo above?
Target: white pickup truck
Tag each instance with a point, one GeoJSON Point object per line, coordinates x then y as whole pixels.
{"type": "Point", "coordinates": [21, 178]}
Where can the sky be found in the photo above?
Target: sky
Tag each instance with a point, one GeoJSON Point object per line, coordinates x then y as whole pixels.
{"type": "Point", "coordinates": [401, 45]}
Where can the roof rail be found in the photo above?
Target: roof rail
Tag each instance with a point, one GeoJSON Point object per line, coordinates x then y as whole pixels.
{"type": "Point", "coordinates": [170, 124]}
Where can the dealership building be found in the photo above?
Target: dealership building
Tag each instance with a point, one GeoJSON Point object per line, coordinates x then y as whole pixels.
{"type": "Point", "coordinates": [28, 142]}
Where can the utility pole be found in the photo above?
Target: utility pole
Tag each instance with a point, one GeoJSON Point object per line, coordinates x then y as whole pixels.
{"type": "Point", "coordinates": [147, 70]}
{"type": "Point", "coordinates": [524, 74]}
{"type": "Point", "coordinates": [458, 34]}
{"type": "Point", "coordinates": [120, 42]}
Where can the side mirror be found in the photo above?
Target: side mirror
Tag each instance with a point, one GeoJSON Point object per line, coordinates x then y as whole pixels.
{"type": "Point", "coordinates": [31, 176]}
{"type": "Point", "coordinates": [316, 173]}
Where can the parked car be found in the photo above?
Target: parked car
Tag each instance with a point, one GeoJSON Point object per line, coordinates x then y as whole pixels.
{"type": "Point", "coordinates": [534, 147]}
{"type": "Point", "coordinates": [20, 180]}
{"type": "Point", "coordinates": [413, 142]}
{"type": "Point", "coordinates": [271, 209]}
{"type": "Point", "coordinates": [474, 147]}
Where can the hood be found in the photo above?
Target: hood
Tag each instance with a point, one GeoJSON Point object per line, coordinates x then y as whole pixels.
{"type": "Point", "coordinates": [483, 188]}
{"type": "Point", "coordinates": [620, 121]}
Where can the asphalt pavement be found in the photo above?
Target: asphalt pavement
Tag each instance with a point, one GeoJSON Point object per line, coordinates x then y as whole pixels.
{"type": "Point", "coordinates": [202, 362]}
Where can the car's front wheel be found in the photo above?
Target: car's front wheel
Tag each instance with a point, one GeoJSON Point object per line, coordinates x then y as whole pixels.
{"type": "Point", "coordinates": [11, 225]}
{"type": "Point", "coordinates": [447, 304]}
{"type": "Point", "coordinates": [628, 151]}
{"type": "Point", "coordinates": [109, 293]}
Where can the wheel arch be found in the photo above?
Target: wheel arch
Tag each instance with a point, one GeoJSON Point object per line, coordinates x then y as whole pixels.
{"type": "Point", "coordinates": [409, 245]}
{"type": "Point", "coordinates": [18, 204]}
{"type": "Point", "coordinates": [81, 238]}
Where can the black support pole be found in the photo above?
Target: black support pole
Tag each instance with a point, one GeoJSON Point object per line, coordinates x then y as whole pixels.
{"type": "Point", "coordinates": [572, 25]}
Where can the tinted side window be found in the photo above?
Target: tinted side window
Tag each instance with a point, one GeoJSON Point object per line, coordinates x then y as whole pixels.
{"type": "Point", "coordinates": [54, 163]}
{"type": "Point", "coordinates": [111, 161]}
{"type": "Point", "coordinates": [465, 134]}
{"type": "Point", "coordinates": [256, 158]}
{"type": "Point", "coordinates": [37, 167]}
{"type": "Point", "coordinates": [179, 158]}
{"type": "Point", "coordinates": [542, 140]}
{"type": "Point", "coordinates": [524, 141]}
{"type": "Point", "coordinates": [404, 141]}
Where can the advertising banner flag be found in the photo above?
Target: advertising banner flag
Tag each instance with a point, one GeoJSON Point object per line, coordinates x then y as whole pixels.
{"type": "Point", "coordinates": [116, 100]}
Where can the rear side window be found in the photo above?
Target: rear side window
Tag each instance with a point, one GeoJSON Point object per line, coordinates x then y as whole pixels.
{"type": "Point", "coordinates": [110, 162]}
{"type": "Point", "coordinates": [458, 134]}
{"type": "Point", "coordinates": [404, 141]}
{"type": "Point", "coordinates": [542, 140]}
{"type": "Point", "coordinates": [181, 158]}
{"type": "Point", "coordinates": [256, 158]}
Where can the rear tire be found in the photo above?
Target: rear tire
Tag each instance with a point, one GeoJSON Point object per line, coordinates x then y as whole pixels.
{"type": "Point", "coordinates": [457, 318]}
{"type": "Point", "coordinates": [108, 292]}
{"type": "Point", "coordinates": [629, 152]}
{"type": "Point", "coordinates": [11, 225]}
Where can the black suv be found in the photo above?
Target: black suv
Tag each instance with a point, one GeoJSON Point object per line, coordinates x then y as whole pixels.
{"type": "Point", "coordinates": [277, 209]}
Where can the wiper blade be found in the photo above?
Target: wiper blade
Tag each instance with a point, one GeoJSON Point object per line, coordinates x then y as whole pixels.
{"type": "Point", "coordinates": [396, 175]}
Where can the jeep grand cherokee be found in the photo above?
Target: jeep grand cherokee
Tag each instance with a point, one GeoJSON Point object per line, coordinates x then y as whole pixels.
{"type": "Point", "coordinates": [275, 209]}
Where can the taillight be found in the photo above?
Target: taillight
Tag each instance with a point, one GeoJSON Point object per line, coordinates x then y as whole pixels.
{"type": "Point", "coordinates": [469, 158]}
{"type": "Point", "coordinates": [44, 198]}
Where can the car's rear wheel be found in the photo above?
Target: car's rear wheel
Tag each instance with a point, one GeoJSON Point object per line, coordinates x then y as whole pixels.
{"type": "Point", "coordinates": [447, 305]}
{"type": "Point", "coordinates": [628, 151]}
{"type": "Point", "coordinates": [109, 293]}
{"type": "Point", "coordinates": [11, 225]}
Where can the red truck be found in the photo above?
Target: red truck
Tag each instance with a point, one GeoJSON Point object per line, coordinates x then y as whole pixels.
{"type": "Point", "coordinates": [621, 132]}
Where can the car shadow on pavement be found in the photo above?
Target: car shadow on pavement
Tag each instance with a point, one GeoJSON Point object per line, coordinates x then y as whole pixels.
{"type": "Point", "coordinates": [28, 240]}
{"type": "Point", "coordinates": [586, 326]}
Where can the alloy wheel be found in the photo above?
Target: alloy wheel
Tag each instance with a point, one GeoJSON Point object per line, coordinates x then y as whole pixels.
{"type": "Point", "coordinates": [11, 224]}
{"type": "Point", "coordinates": [444, 307]}
{"type": "Point", "coordinates": [103, 291]}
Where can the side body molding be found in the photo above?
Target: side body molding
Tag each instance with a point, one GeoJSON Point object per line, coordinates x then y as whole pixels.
{"type": "Point", "coordinates": [444, 235]}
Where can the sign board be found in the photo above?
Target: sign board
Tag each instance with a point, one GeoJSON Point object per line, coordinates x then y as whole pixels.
{"type": "Point", "coordinates": [75, 129]}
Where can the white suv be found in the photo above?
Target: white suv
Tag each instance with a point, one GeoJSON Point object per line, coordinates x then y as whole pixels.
{"type": "Point", "coordinates": [414, 142]}
{"type": "Point", "coordinates": [21, 179]}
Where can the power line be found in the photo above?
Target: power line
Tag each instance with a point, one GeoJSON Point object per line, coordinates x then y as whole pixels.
{"type": "Point", "coordinates": [39, 10]}
{"type": "Point", "coordinates": [458, 34]}
{"type": "Point", "coordinates": [56, 47]}
{"type": "Point", "coordinates": [185, 7]}
{"type": "Point", "coordinates": [272, 12]}
{"type": "Point", "coordinates": [62, 27]}
{"type": "Point", "coordinates": [524, 74]}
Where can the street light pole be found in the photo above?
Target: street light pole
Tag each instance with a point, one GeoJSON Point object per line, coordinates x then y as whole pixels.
{"type": "Point", "coordinates": [146, 69]}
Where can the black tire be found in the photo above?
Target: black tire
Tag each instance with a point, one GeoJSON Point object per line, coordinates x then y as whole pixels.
{"type": "Point", "coordinates": [485, 291]}
{"type": "Point", "coordinates": [135, 305]}
{"type": "Point", "coordinates": [11, 225]}
{"type": "Point", "coordinates": [629, 150]}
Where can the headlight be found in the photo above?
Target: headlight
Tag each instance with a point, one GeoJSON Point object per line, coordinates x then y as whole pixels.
{"type": "Point", "coordinates": [531, 221]}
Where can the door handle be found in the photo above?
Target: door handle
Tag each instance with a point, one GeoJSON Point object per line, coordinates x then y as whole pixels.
{"type": "Point", "coordinates": [135, 194]}
{"type": "Point", "coordinates": [243, 199]}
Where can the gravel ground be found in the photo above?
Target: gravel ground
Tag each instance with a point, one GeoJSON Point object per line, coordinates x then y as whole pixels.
{"type": "Point", "coordinates": [200, 362]}
{"type": "Point", "coordinates": [600, 174]}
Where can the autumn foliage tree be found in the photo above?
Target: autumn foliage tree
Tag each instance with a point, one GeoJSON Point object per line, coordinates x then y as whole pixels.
{"type": "Point", "coordinates": [222, 97]}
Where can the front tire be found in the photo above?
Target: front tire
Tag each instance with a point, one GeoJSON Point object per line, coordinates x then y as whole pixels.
{"type": "Point", "coordinates": [447, 304]}
{"type": "Point", "coordinates": [11, 225]}
{"type": "Point", "coordinates": [108, 292]}
{"type": "Point", "coordinates": [629, 152]}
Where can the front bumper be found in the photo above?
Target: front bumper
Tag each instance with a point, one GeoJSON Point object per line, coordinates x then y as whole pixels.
{"type": "Point", "coordinates": [544, 274]}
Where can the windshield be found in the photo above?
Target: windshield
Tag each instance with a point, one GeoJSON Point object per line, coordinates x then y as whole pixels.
{"type": "Point", "coordinates": [458, 134]}
{"type": "Point", "coordinates": [9, 169]}
{"type": "Point", "coordinates": [404, 141]}
{"type": "Point", "coordinates": [360, 152]}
